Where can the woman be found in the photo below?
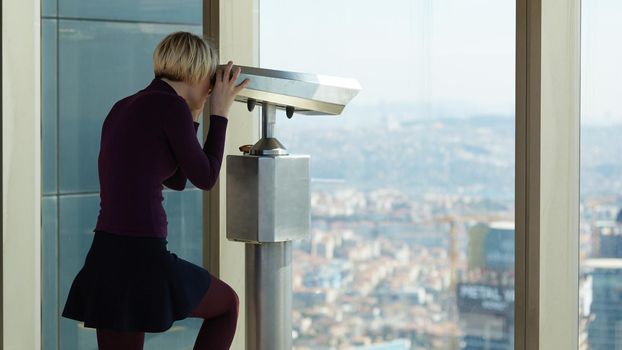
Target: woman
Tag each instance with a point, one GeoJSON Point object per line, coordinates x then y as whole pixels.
{"type": "Point", "coordinates": [130, 283]}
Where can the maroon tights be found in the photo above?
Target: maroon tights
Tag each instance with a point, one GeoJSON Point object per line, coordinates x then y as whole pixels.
{"type": "Point", "coordinates": [219, 309]}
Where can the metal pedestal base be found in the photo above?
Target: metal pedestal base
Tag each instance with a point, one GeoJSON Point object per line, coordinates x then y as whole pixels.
{"type": "Point", "coordinates": [269, 296]}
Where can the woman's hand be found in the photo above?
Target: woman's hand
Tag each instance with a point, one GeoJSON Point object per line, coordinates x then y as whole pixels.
{"type": "Point", "coordinates": [225, 90]}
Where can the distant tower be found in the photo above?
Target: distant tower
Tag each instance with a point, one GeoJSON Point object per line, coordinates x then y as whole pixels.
{"type": "Point", "coordinates": [605, 329]}
{"type": "Point", "coordinates": [499, 247]}
{"type": "Point", "coordinates": [486, 305]}
{"type": "Point", "coordinates": [477, 235]}
{"type": "Point", "coordinates": [610, 239]}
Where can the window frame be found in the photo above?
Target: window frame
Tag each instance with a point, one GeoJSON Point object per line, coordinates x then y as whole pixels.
{"type": "Point", "coordinates": [547, 175]}
{"type": "Point", "coordinates": [20, 285]}
{"type": "Point", "coordinates": [233, 27]}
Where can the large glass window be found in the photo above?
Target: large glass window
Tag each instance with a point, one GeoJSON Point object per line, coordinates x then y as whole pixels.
{"type": "Point", "coordinates": [412, 242]}
{"type": "Point", "coordinates": [600, 300]}
{"type": "Point", "coordinates": [163, 11]}
{"type": "Point", "coordinates": [93, 54]}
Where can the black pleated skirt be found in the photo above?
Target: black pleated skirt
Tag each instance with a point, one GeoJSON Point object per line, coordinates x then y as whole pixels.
{"type": "Point", "coordinates": [133, 283]}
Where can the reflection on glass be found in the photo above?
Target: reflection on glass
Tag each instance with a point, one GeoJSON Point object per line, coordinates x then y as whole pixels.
{"type": "Point", "coordinates": [412, 242]}
{"type": "Point", "coordinates": [49, 100]}
{"type": "Point", "coordinates": [600, 280]}
{"type": "Point", "coordinates": [184, 211]}
{"type": "Point", "coordinates": [179, 11]}
{"type": "Point", "coordinates": [49, 8]}
{"type": "Point", "coordinates": [49, 290]}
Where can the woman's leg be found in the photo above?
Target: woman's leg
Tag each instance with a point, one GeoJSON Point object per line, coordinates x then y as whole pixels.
{"type": "Point", "coordinates": [115, 340]}
{"type": "Point", "coordinates": [219, 308]}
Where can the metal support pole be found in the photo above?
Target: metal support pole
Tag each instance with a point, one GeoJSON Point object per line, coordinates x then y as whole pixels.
{"type": "Point", "coordinates": [269, 296]}
{"type": "Point", "coordinates": [268, 119]}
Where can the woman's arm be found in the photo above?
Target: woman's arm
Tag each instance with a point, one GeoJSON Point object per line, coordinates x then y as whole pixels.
{"type": "Point", "coordinates": [178, 180]}
{"type": "Point", "coordinates": [200, 165]}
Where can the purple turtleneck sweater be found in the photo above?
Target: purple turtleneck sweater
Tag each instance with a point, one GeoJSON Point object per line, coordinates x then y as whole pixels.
{"type": "Point", "coordinates": [149, 140]}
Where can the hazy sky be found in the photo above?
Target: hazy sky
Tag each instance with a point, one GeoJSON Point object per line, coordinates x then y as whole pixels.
{"type": "Point", "coordinates": [601, 48]}
{"type": "Point", "coordinates": [457, 55]}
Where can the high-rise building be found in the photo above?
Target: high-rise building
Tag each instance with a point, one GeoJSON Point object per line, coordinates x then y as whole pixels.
{"type": "Point", "coordinates": [486, 296]}
{"type": "Point", "coordinates": [605, 328]}
{"type": "Point", "coordinates": [486, 316]}
{"type": "Point", "coordinates": [610, 245]}
{"type": "Point", "coordinates": [609, 234]}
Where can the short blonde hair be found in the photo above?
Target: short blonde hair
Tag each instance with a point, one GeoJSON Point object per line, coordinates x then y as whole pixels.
{"type": "Point", "coordinates": [183, 56]}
